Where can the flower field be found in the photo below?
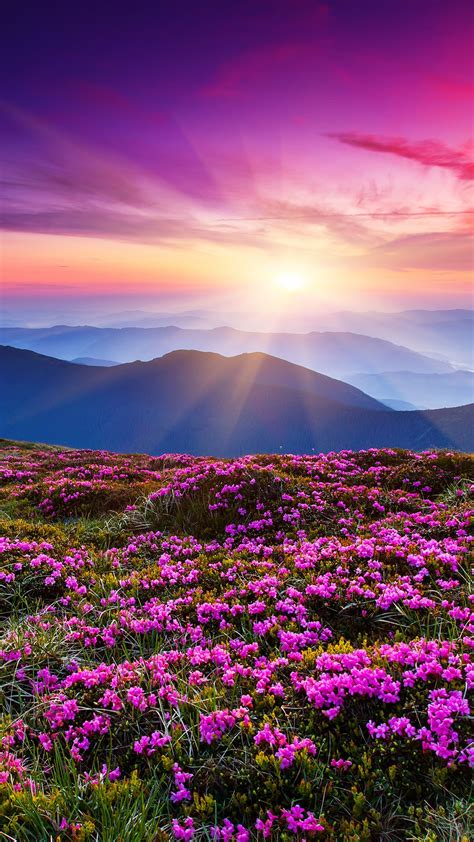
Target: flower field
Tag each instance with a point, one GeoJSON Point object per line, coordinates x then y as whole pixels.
{"type": "Point", "coordinates": [264, 648]}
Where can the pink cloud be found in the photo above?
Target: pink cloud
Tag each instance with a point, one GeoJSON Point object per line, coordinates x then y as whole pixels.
{"type": "Point", "coordinates": [429, 153]}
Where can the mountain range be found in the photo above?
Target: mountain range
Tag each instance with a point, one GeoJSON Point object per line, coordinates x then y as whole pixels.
{"type": "Point", "coordinates": [423, 391]}
{"type": "Point", "coordinates": [396, 375]}
{"type": "Point", "coordinates": [336, 354]}
{"type": "Point", "coordinates": [443, 334]}
{"type": "Point", "coordinates": [205, 403]}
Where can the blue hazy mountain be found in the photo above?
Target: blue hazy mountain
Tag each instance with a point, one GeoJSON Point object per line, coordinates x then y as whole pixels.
{"type": "Point", "coordinates": [205, 403]}
{"type": "Point", "coordinates": [337, 354]}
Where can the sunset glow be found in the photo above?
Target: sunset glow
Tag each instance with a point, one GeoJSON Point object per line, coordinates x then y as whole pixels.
{"type": "Point", "coordinates": [290, 281]}
{"type": "Point", "coordinates": [319, 136]}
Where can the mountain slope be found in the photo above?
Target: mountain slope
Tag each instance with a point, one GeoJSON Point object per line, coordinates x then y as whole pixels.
{"type": "Point", "coordinates": [207, 404]}
{"type": "Point", "coordinates": [337, 354]}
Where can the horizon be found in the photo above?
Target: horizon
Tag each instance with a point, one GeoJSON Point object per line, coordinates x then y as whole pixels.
{"type": "Point", "coordinates": [105, 320]}
{"type": "Point", "coordinates": [81, 315]}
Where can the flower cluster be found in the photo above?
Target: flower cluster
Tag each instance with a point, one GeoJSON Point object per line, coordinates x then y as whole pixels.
{"type": "Point", "coordinates": [270, 647]}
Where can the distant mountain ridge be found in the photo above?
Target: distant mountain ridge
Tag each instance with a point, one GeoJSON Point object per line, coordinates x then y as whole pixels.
{"type": "Point", "coordinates": [93, 361]}
{"type": "Point", "coordinates": [204, 403]}
{"type": "Point", "coordinates": [338, 355]}
{"type": "Point", "coordinates": [447, 334]}
{"type": "Point", "coordinates": [429, 390]}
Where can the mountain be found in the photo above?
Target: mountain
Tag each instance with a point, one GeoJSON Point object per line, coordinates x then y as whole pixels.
{"type": "Point", "coordinates": [398, 405]}
{"type": "Point", "coordinates": [338, 355]}
{"type": "Point", "coordinates": [93, 361]}
{"type": "Point", "coordinates": [447, 334]}
{"type": "Point", "coordinates": [145, 318]}
{"type": "Point", "coordinates": [429, 391]}
{"type": "Point", "coordinates": [204, 403]}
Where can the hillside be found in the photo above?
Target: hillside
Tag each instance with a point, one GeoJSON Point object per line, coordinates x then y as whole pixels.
{"type": "Point", "coordinates": [268, 648]}
{"type": "Point", "coordinates": [204, 403]}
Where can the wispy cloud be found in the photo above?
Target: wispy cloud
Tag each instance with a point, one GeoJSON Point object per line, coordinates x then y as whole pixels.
{"type": "Point", "coordinates": [79, 179]}
{"type": "Point", "coordinates": [93, 222]}
{"type": "Point", "coordinates": [433, 251]}
{"type": "Point", "coordinates": [429, 153]}
{"type": "Point", "coordinates": [298, 214]}
{"type": "Point", "coordinates": [123, 224]}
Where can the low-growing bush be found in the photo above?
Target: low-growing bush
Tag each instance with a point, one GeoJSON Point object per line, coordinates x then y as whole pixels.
{"type": "Point", "coordinates": [263, 648]}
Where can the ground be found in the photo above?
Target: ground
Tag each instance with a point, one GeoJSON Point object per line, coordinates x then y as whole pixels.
{"type": "Point", "coordinates": [270, 647]}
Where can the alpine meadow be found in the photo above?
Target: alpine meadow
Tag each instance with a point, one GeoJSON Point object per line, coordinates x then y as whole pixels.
{"type": "Point", "coordinates": [236, 421]}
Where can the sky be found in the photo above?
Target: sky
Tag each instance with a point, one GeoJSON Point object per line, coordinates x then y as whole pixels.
{"type": "Point", "coordinates": [259, 156]}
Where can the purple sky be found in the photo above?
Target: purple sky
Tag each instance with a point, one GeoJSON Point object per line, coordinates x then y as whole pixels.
{"type": "Point", "coordinates": [218, 151]}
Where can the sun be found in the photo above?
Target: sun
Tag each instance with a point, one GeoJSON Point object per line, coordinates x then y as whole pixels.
{"type": "Point", "coordinates": [290, 281]}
